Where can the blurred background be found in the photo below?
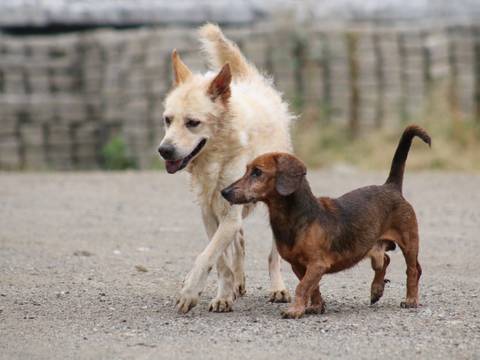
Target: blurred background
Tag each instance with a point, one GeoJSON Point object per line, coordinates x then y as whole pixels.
{"type": "Point", "coordinates": [82, 81]}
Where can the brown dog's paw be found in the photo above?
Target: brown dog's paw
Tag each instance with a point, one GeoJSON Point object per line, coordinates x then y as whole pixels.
{"type": "Point", "coordinates": [374, 299]}
{"type": "Point", "coordinates": [409, 304]}
{"type": "Point", "coordinates": [221, 305]}
{"type": "Point", "coordinates": [376, 293]}
{"type": "Point", "coordinates": [315, 309]}
{"type": "Point", "coordinates": [280, 296]}
{"type": "Point", "coordinates": [293, 313]}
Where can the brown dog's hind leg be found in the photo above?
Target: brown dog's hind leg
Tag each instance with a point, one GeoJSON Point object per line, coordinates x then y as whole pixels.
{"type": "Point", "coordinates": [380, 262]}
{"type": "Point", "coordinates": [414, 270]}
{"type": "Point", "coordinates": [405, 236]}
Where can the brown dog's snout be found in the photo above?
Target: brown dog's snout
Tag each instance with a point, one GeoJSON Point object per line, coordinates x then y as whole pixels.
{"type": "Point", "coordinates": [227, 193]}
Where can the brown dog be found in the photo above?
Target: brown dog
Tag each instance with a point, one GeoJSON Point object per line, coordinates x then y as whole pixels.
{"type": "Point", "coordinates": [325, 235]}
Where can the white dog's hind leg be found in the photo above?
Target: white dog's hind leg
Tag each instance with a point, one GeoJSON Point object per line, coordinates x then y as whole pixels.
{"type": "Point", "coordinates": [238, 264]}
{"type": "Point", "coordinates": [278, 292]}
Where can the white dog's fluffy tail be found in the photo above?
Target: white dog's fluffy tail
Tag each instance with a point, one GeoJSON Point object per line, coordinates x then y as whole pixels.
{"type": "Point", "coordinates": [220, 50]}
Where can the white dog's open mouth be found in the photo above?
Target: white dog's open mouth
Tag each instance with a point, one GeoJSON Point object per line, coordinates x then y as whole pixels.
{"type": "Point", "coordinates": [176, 165]}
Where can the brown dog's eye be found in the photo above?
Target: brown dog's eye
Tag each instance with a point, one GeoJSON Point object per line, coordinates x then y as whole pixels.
{"type": "Point", "coordinates": [192, 123]}
{"type": "Point", "coordinates": [256, 172]}
{"type": "Point", "coordinates": [168, 120]}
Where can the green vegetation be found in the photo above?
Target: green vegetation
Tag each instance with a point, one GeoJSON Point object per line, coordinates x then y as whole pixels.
{"type": "Point", "coordinates": [157, 163]}
{"type": "Point", "coordinates": [115, 155]}
{"type": "Point", "coordinates": [455, 141]}
{"type": "Point", "coordinates": [322, 143]}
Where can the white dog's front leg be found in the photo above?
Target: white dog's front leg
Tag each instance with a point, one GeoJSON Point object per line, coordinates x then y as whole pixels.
{"type": "Point", "coordinates": [196, 279]}
{"type": "Point", "coordinates": [231, 275]}
{"type": "Point", "coordinates": [278, 292]}
{"type": "Point", "coordinates": [223, 302]}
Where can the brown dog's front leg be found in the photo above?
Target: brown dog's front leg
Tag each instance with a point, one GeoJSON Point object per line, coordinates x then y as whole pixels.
{"type": "Point", "coordinates": [304, 289]}
{"type": "Point", "coordinates": [317, 305]}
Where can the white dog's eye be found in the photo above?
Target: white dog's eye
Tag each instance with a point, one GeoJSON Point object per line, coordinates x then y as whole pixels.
{"type": "Point", "coordinates": [168, 120]}
{"type": "Point", "coordinates": [192, 123]}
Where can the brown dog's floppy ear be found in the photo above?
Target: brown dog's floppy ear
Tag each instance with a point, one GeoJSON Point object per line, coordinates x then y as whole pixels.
{"type": "Point", "coordinates": [180, 71]}
{"type": "Point", "coordinates": [290, 173]}
{"type": "Point", "coordinates": [220, 85]}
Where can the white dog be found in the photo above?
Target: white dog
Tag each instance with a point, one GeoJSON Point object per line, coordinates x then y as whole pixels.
{"type": "Point", "coordinates": [216, 124]}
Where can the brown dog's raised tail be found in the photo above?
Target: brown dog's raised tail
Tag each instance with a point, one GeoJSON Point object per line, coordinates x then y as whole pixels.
{"type": "Point", "coordinates": [400, 157]}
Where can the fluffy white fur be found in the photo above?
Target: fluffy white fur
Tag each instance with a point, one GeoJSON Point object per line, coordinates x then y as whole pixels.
{"type": "Point", "coordinates": [238, 123]}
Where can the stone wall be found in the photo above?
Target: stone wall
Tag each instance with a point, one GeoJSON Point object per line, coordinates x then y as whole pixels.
{"type": "Point", "coordinates": [63, 97]}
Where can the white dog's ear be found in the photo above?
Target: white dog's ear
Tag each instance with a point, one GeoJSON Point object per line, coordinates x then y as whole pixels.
{"type": "Point", "coordinates": [180, 71]}
{"type": "Point", "coordinates": [220, 86]}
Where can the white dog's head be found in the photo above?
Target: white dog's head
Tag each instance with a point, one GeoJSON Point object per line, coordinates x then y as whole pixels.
{"type": "Point", "coordinates": [192, 112]}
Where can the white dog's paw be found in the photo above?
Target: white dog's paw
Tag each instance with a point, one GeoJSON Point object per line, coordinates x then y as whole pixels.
{"type": "Point", "coordinates": [280, 296]}
{"type": "Point", "coordinates": [185, 302]}
{"type": "Point", "coordinates": [221, 305]}
{"type": "Point", "coordinates": [239, 287]}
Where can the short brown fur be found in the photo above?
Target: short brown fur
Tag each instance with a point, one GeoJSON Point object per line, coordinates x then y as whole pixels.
{"type": "Point", "coordinates": [320, 236]}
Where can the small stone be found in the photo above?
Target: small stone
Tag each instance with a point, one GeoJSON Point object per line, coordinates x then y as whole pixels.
{"type": "Point", "coordinates": [141, 268]}
{"type": "Point", "coordinates": [427, 312]}
{"type": "Point", "coordinates": [82, 253]}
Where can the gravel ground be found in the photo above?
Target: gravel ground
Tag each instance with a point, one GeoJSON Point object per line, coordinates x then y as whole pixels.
{"type": "Point", "coordinates": [90, 264]}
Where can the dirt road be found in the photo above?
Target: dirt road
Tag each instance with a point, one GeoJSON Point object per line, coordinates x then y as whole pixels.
{"type": "Point", "coordinates": [90, 265]}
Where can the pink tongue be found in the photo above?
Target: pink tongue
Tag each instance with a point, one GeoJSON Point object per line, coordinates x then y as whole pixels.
{"type": "Point", "coordinates": [173, 166]}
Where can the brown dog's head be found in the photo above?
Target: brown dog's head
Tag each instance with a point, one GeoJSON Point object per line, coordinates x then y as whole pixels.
{"type": "Point", "coordinates": [269, 175]}
{"type": "Point", "coordinates": [193, 110]}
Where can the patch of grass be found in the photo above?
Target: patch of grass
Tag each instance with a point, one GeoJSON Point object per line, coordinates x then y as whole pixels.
{"type": "Point", "coordinates": [115, 155]}
{"type": "Point", "coordinates": [157, 163]}
{"type": "Point", "coordinates": [455, 141]}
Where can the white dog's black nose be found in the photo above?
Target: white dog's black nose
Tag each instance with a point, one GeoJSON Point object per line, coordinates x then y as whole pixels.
{"type": "Point", "coordinates": [167, 151]}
